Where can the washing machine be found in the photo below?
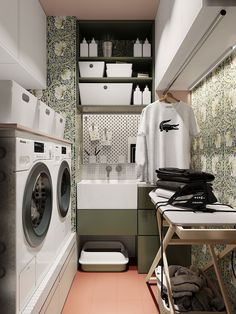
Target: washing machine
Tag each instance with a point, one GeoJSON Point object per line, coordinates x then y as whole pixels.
{"type": "Point", "coordinates": [26, 206]}
{"type": "Point", "coordinates": [61, 174]}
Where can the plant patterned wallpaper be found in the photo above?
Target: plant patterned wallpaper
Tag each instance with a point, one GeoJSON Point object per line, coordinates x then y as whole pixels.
{"type": "Point", "coordinates": [214, 103]}
{"type": "Point", "coordinates": [61, 81]}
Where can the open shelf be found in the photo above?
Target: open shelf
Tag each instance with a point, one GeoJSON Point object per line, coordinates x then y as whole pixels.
{"type": "Point", "coordinates": [119, 59]}
{"type": "Point", "coordinates": [123, 35]}
{"type": "Point", "coordinates": [112, 109]}
{"type": "Point", "coordinates": [115, 80]}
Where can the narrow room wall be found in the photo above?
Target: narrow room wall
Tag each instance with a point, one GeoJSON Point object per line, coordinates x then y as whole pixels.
{"type": "Point", "coordinates": [214, 103]}
{"type": "Point", "coordinates": [61, 81]}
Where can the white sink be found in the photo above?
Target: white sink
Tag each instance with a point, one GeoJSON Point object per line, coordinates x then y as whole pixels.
{"type": "Point", "coordinates": [107, 194]}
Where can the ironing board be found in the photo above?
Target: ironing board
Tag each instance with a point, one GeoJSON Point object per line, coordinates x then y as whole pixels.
{"type": "Point", "coordinates": [194, 228]}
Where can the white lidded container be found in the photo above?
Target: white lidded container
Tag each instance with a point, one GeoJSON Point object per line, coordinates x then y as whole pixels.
{"type": "Point", "coordinates": [137, 100]}
{"type": "Point", "coordinates": [146, 48]}
{"type": "Point", "coordinates": [93, 48]}
{"type": "Point", "coordinates": [146, 96]}
{"type": "Point", "coordinates": [17, 105]}
{"type": "Point", "coordinates": [119, 69]}
{"type": "Point", "coordinates": [84, 48]}
{"type": "Point", "coordinates": [58, 125]}
{"type": "Point", "coordinates": [105, 93]}
{"type": "Point", "coordinates": [137, 48]}
{"type": "Point", "coordinates": [91, 69]}
{"type": "Point", "coordinates": [44, 118]}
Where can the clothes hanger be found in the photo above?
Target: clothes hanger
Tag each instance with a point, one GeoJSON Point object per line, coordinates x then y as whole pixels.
{"type": "Point", "coordinates": [167, 95]}
{"type": "Point", "coordinates": [164, 98]}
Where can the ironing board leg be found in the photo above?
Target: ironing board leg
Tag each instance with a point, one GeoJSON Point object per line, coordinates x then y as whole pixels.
{"type": "Point", "coordinates": [157, 258]}
{"type": "Point", "coordinates": [227, 250]}
{"type": "Point", "coordinates": [220, 280]}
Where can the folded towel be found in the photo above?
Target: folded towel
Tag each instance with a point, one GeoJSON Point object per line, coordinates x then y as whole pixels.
{"type": "Point", "coordinates": [201, 301]}
{"type": "Point", "coordinates": [192, 290]}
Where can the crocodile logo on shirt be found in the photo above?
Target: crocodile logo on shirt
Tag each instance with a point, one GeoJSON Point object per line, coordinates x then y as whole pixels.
{"type": "Point", "coordinates": [165, 126]}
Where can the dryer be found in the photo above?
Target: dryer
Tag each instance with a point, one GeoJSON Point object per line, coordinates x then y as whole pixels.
{"type": "Point", "coordinates": [62, 197]}
{"type": "Point", "coordinates": [26, 204]}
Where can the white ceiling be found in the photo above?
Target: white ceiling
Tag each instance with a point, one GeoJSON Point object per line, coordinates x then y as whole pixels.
{"type": "Point", "coordinates": [102, 9]}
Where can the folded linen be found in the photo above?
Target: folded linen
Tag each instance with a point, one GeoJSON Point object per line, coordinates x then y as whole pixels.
{"type": "Point", "coordinates": [183, 175]}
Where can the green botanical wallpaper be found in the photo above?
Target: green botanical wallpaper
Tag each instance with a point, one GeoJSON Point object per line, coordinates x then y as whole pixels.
{"type": "Point", "coordinates": [61, 80]}
{"type": "Point", "coordinates": [214, 103]}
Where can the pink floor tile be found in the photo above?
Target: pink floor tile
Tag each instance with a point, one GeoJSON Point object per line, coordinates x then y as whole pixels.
{"type": "Point", "coordinates": [111, 293]}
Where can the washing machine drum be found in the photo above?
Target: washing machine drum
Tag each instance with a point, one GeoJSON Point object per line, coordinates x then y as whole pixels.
{"type": "Point", "coordinates": [63, 188]}
{"type": "Point", "coordinates": [37, 204]}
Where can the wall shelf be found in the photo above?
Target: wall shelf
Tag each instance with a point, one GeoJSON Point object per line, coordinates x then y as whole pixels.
{"type": "Point", "coordinates": [119, 59]}
{"type": "Point", "coordinates": [123, 35]}
{"type": "Point", "coordinates": [112, 109]}
{"type": "Point", "coordinates": [138, 80]}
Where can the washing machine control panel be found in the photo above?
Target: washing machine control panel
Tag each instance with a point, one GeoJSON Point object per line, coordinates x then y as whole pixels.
{"type": "Point", "coordinates": [38, 147]}
{"type": "Point", "coordinates": [66, 152]}
{"type": "Point", "coordinates": [42, 150]}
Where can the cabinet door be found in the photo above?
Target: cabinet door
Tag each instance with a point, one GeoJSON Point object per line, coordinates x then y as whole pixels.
{"type": "Point", "coordinates": [107, 222]}
{"type": "Point", "coordinates": [32, 39]}
{"type": "Point", "coordinates": [51, 305]}
{"type": "Point", "coordinates": [66, 277]}
{"type": "Point", "coordinates": [8, 31]}
{"type": "Point", "coordinates": [147, 222]}
{"type": "Point", "coordinates": [144, 201]}
{"type": "Point", "coordinates": [147, 249]}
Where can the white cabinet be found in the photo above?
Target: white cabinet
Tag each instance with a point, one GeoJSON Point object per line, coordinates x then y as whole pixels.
{"type": "Point", "coordinates": [23, 43]}
{"type": "Point", "coordinates": [8, 31]}
{"type": "Point", "coordinates": [58, 294]}
{"type": "Point", "coordinates": [180, 24]}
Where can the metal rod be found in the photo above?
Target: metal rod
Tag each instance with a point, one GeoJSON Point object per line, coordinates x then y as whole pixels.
{"type": "Point", "coordinates": [199, 44]}
{"type": "Point", "coordinates": [213, 66]}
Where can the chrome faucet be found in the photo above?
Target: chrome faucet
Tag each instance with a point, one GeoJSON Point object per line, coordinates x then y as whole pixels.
{"type": "Point", "coordinates": [108, 170]}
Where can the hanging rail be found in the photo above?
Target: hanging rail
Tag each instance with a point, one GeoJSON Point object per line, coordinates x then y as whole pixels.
{"type": "Point", "coordinates": [199, 44]}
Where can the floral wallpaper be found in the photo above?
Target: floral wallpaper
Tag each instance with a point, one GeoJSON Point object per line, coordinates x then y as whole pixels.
{"type": "Point", "coordinates": [61, 81]}
{"type": "Point", "coordinates": [214, 103]}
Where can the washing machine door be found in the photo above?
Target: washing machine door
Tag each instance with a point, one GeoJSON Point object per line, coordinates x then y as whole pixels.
{"type": "Point", "coordinates": [63, 188]}
{"type": "Point", "coordinates": [37, 204]}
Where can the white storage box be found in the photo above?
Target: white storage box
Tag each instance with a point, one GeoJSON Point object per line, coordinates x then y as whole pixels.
{"type": "Point", "coordinates": [91, 69]}
{"type": "Point", "coordinates": [103, 256]}
{"type": "Point", "coordinates": [119, 69]}
{"type": "Point", "coordinates": [58, 125]}
{"type": "Point", "coordinates": [105, 93]}
{"type": "Point", "coordinates": [44, 118]}
{"type": "Point", "coordinates": [17, 105]}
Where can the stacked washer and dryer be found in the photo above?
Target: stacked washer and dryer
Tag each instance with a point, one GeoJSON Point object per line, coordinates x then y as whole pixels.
{"type": "Point", "coordinates": [62, 182]}
{"type": "Point", "coordinates": [35, 181]}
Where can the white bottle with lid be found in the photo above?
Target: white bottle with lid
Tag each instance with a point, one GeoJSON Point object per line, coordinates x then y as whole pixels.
{"type": "Point", "coordinates": [84, 48]}
{"type": "Point", "coordinates": [137, 100]}
{"type": "Point", "coordinates": [146, 48]}
{"type": "Point", "coordinates": [137, 48]}
{"type": "Point", "coordinates": [93, 49]}
{"type": "Point", "coordinates": [146, 96]}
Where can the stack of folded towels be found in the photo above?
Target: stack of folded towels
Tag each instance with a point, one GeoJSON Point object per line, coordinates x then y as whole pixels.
{"type": "Point", "coordinates": [192, 289]}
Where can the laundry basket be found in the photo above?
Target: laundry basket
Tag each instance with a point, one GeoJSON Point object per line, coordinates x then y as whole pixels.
{"type": "Point", "coordinates": [103, 256]}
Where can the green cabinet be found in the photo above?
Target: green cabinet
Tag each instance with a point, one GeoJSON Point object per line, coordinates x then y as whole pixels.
{"type": "Point", "coordinates": [148, 241]}
{"type": "Point", "coordinates": [147, 223]}
{"type": "Point", "coordinates": [144, 201]}
{"type": "Point", "coordinates": [107, 222]}
{"type": "Point", "coordinates": [147, 247]}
